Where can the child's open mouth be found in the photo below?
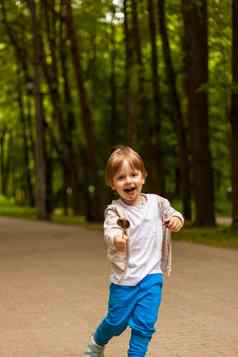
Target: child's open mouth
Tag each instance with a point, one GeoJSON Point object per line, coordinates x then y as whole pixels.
{"type": "Point", "coordinates": [129, 190]}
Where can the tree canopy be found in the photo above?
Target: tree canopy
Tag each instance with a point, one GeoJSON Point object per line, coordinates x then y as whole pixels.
{"type": "Point", "coordinates": [80, 77]}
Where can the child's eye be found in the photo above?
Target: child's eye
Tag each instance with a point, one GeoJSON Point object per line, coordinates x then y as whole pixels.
{"type": "Point", "coordinates": [134, 174]}
{"type": "Point", "coordinates": [119, 178]}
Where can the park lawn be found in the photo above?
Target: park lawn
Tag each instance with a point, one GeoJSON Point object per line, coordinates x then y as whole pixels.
{"type": "Point", "coordinates": [219, 236]}
{"type": "Point", "coordinates": [18, 212]}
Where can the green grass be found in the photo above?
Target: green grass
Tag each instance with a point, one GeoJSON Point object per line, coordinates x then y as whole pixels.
{"type": "Point", "coordinates": [59, 217]}
{"type": "Point", "coordinates": [220, 236]}
{"type": "Point", "coordinates": [8, 208]}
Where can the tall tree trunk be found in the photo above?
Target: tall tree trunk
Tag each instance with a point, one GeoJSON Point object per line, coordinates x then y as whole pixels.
{"type": "Point", "coordinates": [41, 190]}
{"type": "Point", "coordinates": [177, 118]}
{"type": "Point", "coordinates": [141, 105]}
{"type": "Point", "coordinates": [129, 100]}
{"type": "Point", "coordinates": [51, 73]}
{"type": "Point", "coordinates": [26, 168]}
{"type": "Point", "coordinates": [234, 114]}
{"type": "Point", "coordinates": [30, 130]}
{"type": "Point", "coordinates": [86, 115]}
{"type": "Point", "coordinates": [6, 155]}
{"type": "Point", "coordinates": [72, 180]}
{"type": "Point", "coordinates": [196, 33]}
{"type": "Point", "coordinates": [22, 56]}
{"type": "Point", "coordinates": [3, 160]}
{"type": "Point", "coordinates": [154, 153]}
{"type": "Point", "coordinates": [2, 155]}
{"type": "Point", "coordinates": [114, 127]}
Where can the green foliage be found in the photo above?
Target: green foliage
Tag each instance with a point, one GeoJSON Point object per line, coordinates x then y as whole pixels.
{"type": "Point", "coordinates": [94, 26]}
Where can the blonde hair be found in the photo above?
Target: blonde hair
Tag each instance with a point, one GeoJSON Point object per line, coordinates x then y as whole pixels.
{"type": "Point", "coordinates": [116, 159]}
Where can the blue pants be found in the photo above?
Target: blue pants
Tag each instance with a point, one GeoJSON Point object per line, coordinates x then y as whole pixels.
{"type": "Point", "coordinates": [134, 306]}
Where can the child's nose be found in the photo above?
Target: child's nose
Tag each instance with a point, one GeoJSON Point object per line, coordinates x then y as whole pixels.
{"type": "Point", "coordinates": [128, 179]}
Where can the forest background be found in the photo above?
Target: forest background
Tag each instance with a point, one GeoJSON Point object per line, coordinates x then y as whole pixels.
{"type": "Point", "coordinates": [80, 77]}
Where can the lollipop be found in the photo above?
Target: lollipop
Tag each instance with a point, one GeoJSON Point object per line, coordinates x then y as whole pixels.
{"type": "Point", "coordinates": [124, 224]}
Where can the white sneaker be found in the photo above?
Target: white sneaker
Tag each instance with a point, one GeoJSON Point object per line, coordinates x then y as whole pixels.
{"type": "Point", "coordinates": [94, 350]}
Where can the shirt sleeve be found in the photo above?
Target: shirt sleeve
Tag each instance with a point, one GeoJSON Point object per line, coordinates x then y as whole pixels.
{"type": "Point", "coordinates": [111, 228]}
{"type": "Point", "coordinates": [168, 211]}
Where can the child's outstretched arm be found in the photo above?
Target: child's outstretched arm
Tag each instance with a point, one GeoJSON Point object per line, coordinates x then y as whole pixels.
{"type": "Point", "coordinates": [111, 228]}
{"type": "Point", "coordinates": [120, 243]}
{"type": "Point", "coordinates": [171, 218]}
{"type": "Point", "coordinates": [114, 235]}
{"type": "Point", "coordinates": [174, 223]}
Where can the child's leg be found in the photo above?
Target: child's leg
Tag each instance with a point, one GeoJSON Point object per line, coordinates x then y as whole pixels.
{"type": "Point", "coordinates": [143, 320]}
{"type": "Point", "coordinates": [122, 301]}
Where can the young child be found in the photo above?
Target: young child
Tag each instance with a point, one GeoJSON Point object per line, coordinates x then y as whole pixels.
{"type": "Point", "coordinates": [135, 251]}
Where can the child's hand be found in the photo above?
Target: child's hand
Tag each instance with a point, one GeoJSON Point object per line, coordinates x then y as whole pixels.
{"type": "Point", "coordinates": [174, 224]}
{"type": "Point", "coordinates": [120, 243]}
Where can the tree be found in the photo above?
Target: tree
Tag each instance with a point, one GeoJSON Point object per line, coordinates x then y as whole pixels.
{"type": "Point", "coordinates": [41, 184]}
{"type": "Point", "coordinates": [4, 161]}
{"type": "Point", "coordinates": [26, 152]}
{"type": "Point", "coordinates": [114, 117]}
{"type": "Point", "coordinates": [234, 114]}
{"type": "Point", "coordinates": [196, 40]}
{"type": "Point", "coordinates": [153, 147]}
{"type": "Point", "coordinates": [86, 117]}
{"type": "Point", "coordinates": [131, 119]}
{"type": "Point", "coordinates": [177, 118]}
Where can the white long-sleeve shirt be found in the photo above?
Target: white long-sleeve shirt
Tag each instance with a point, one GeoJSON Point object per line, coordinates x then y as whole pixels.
{"type": "Point", "coordinates": [145, 233]}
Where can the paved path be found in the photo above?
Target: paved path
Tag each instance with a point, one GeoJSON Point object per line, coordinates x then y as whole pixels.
{"type": "Point", "coordinates": [54, 288]}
